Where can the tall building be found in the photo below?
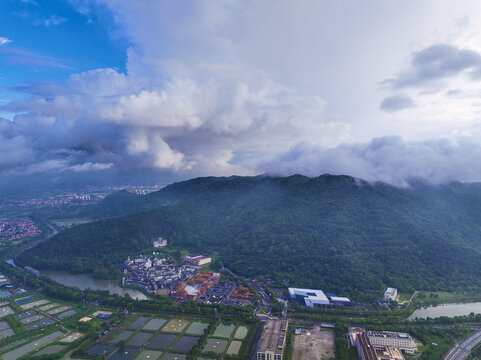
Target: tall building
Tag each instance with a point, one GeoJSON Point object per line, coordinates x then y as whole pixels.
{"type": "Point", "coordinates": [273, 340]}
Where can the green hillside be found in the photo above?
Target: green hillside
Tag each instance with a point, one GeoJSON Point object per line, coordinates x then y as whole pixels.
{"type": "Point", "coordinates": [332, 232]}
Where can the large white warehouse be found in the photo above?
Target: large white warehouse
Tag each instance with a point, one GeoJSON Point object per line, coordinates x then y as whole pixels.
{"type": "Point", "coordinates": [311, 297]}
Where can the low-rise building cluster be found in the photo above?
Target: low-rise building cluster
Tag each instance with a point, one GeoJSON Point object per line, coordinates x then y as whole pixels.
{"type": "Point", "coordinates": [195, 286]}
{"type": "Point", "coordinates": [227, 292]}
{"type": "Point", "coordinates": [154, 274]}
{"type": "Point", "coordinates": [12, 230]}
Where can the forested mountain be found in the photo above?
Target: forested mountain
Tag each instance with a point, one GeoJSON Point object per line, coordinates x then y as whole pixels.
{"type": "Point", "coordinates": [337, 233]}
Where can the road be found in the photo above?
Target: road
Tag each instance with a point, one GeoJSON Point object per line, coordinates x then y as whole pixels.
{"type": "Point", "coordinates": [462, 350]}
{"type": "Point", "coordinates": [264, 298]}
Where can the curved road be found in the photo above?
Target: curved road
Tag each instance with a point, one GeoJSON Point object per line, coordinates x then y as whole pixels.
{"type": "Point", "coordinates": [462, 350]}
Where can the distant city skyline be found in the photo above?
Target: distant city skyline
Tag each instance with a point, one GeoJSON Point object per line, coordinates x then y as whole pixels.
{"type": "Point", "coordinates": [111, 91]}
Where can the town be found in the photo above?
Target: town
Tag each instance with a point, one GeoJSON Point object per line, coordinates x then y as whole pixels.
{"type": "Point", "coordinates": [12, 230]}
{"type": "Point", "coordinates": [186, 281]}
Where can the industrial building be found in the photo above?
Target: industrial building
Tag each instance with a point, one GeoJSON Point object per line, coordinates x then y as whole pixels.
{"type": "Point", "coordinates": [273, 340]}
{"type": "Point", "coordinates": [196, 259]}
{"type": "Point", "coordinates": [402, 341]}
{"type": "Point", "coordinates": [390, 294]}
{"type": "Point", "coordinates": [309, 296]}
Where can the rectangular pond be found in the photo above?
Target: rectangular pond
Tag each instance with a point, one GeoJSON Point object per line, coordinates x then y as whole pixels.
{"type": "Point", "coordinates": [6, 310]}
{"type": "Point", "coordinates": [224, 331]}
{"type": "Point", "coordinates": [139, 322]}
{"type": "Point", "coordinates": [154, 324]}
{"type": "Point", "coordinates": [149, 355]}
{"type": "Point", "coordinates": [25, 349]}
{"type": "Point", "coordinates": [161, 341]}
{"type": "Point", "coordinates": [216, 345]}
{"type": "Point", "coordinates": [139, 339]}
{"type": "Point", "coordinates": [122, 336]}
{"type": "Point", "coordinates": [176, 325]}
{"type": "Point", "coordinates": [234, 347]}
{"type": "Point", "coordinates": [197, 328]}
{"type": "Point", "coordinates": [185, 344]}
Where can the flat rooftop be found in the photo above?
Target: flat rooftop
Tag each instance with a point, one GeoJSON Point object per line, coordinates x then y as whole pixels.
{"type": "Point", "coordinates": [365, 346]}
{"type": "Point", "coordinates": [386, 334]}
{"type": "Point", "coordinates": [272, 338]}
{"type": "Point", "coordinates": [309, 293]}
{"type": "Point", "coordinates": [340, 299]}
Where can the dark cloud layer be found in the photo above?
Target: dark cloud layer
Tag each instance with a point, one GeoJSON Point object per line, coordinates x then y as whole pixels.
{"type": "Point", "coordinates": [438, 62]}
{"type": "Point", "coordinates": [397, 103]}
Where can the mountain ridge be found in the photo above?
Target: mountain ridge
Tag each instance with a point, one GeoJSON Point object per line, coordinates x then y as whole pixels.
{"type": "Point", "coordinates": [333, 232]}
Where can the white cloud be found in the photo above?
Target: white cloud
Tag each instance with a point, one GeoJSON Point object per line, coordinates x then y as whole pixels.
{"type": "Point", "coordinates": [4, 40]}
{"type": "Point", "coordinates": [388, 159]}
{"type": "Point", "coordinates": [212, 87]}
{"type": "Point", "coordinates": [53, 20]}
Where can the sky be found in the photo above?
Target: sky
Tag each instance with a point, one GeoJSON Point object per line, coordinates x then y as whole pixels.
{"type": "Point", "coordinates": [162, 90]}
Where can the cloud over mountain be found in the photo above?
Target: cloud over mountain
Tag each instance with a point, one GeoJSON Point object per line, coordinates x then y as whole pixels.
{"type": "Point", "coordinates": [387, 159]}
{"type": "Point", "coordinates": [215, 88]}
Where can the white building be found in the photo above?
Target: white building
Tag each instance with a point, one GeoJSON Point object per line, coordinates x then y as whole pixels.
{"type": "Point", "coordinates": [311, 297]}
{"type": "Point", "coordinates": [390, 294]}
{"type": "Point", "coordinates": [340, 299]}
{"type": "Point", "coordinates": [402, 341]}
{"type": "Point", "coordinates": [159, 242]}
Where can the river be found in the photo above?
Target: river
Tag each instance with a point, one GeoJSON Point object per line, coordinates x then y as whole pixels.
{"type": "Point", "coordinates": [84, 281]}
{"type": "Point", "coordinates": [449, 310]}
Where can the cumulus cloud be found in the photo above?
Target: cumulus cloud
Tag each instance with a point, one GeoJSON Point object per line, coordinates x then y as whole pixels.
{"type": "Point", "coordinates": [438, 62]}
{"type": "Point", "coordinates": [4, 40]}
{"type": "Point", "coordinates": [103, 116]}
{"type": "Point", "coordinates": [397, 103]}
{"type": "Point", "coordinates": [454, 92]}
{"type": "Point", "coordinates": [387, 159]}
{"type": "Point", "coordinates": [210, 88]}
